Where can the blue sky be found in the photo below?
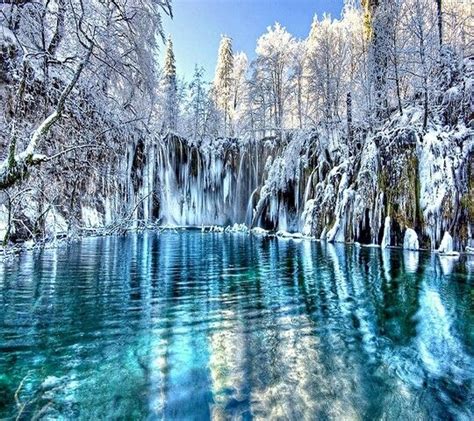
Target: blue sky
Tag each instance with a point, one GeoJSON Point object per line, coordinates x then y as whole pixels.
{"type": "Point", "coordinates": [198, 25]}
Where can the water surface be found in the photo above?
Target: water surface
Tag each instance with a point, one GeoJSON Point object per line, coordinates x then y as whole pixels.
{"type": "Point", "coordinates": [196, 326]}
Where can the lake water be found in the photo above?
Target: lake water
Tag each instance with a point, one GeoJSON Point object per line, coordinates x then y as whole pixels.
{"type": "Point", "coordinates": [195, 325]}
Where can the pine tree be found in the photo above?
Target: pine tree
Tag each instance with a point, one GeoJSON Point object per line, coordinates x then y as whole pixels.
{"type": "Point", "coordinates": [170, 88]}
{"type": "Point", "coordinates": [223, 82]}
{"type": "Point", "coordinates": [196, 105]}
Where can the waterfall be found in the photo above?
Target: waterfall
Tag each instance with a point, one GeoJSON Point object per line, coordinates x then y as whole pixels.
{"type": "Point", "coordinates": [217, 182]}
{"type": "Point", "coordinates": [209, 184]}
{"type": "Point", "coordinates": [297, 182]}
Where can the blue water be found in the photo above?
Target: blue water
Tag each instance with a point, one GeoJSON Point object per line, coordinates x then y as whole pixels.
{"type": "Point", "coordinates": [195, 325]}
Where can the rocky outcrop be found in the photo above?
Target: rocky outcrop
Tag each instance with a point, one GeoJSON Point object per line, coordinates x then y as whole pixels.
{"type": "Point", "coordinates": [410, 241]}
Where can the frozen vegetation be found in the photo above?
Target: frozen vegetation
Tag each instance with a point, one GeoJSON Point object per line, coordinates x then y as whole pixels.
{"type": "Point", "coordinates": [362, 132]}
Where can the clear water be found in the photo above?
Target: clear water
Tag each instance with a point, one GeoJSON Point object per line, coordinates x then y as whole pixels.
{"type": "Point", "coordinates": [197, 326]}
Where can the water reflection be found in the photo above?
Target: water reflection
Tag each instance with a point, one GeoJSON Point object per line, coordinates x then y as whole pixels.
{"type": "Point", "coordinates": [220, 326]}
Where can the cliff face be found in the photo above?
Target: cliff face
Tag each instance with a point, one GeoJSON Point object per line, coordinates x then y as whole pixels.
{"type": "Point", "coordinates": [402, 179]}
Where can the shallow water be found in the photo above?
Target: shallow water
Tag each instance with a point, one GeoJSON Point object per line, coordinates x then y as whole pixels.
{"type": "Point", "coordinates": [195, 326]}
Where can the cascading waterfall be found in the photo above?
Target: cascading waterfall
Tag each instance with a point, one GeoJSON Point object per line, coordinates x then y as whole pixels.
{"type": "Point", "coordinates": [305, 182]}
{"type": "Point", "coordinates": [209, 184]}
{"type": "Point", "coordinates": [224, 182]}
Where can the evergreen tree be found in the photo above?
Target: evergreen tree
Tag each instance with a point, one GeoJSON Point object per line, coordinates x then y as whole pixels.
{"type": "Point", "coordinates": [170, 89]}
{"type": "Point", "coordinates": [223, 82]}
{"type": "Point", "coordinates": [197, 105]}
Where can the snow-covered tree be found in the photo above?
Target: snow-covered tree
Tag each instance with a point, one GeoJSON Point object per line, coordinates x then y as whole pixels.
{"type": "Point", "coordinates": [169, 89]}
{"type": "Point", "coordinates": [421, 49]}
{"type": "Point", "coordinates": [196, 107]}
{"type": "Point", "coordinates": [274, 52]}
{"type": "Point", "coordinates": [223, 82]}
{"type": "Point", "coordinates": [239, 90]}
{"type": "Point", "coordinates": [298, 98]}
{"type": "Point", "coordinates": [378, 29]}
{"type": "Point", "coordinates": [74, 59]}
{"type": "Point", "coordinates": [325, 66]}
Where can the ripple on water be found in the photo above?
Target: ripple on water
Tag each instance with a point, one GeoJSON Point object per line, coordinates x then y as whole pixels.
{"type": "Point", "coordinates": [194, 325]}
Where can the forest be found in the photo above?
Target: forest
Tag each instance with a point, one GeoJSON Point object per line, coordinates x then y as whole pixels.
{"type": "Point", "coordinates": [361, 132]}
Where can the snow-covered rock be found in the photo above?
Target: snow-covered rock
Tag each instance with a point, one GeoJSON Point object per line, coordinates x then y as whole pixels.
{"type": "Point", "coordinates": [28, 245]}
{"type": "Point", "coordinates": [410, 240]}
{"type": "Point", "coordinates": [91, 218]}
{"type": "Point", "coordinates": [55, 224]}
{"type": "Point", "coordinates": [259, 231]}
{"type": "Point", "coordinates": [286, 234]}
{"type": "Point", "coordinates": [446, 247]}
{"type": "Point", "coordinates": [237, 228]}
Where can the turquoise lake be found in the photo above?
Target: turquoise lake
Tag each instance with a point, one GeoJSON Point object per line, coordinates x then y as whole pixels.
{"type": "Point", "coordinates": [190, 325]}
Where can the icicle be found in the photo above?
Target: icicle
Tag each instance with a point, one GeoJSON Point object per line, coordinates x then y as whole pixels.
{"type": "Point", "coordinates": [386, 233]}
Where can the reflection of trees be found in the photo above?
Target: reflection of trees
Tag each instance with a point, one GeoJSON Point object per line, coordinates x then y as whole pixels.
{"type": "Point", "coordinates": [229, 325]}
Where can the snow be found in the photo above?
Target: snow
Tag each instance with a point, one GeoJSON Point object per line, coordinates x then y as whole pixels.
{"type": "Point", "coordinates": [55, 224]}
{"type": "Point", "coordinates": [7, 37]}
{"type": "Point", "coordinates": [337, 232]}
{"type": "Point", "coordinates": [3, 222]}
{"type": "Point", "coordinates": [259, 231]}
{"type": "Point", "coordinates": [439, 159]}
{"type": "Point", "coordinates": [212, 228]}
{"type": "Point", "coordinates": [91, 218]}
{"type": "Point", "coordinates": [323, 234]}
{"type": "Point", "coordinates": [410, 240]}
{"type": "Point", "coordinates": [446, 247]}
{"type": "Point", "coordinates": [236, 228]}
{"type": "Point", "coordinates": [292, 235]}
{"type": "Point", "coordinates": [307, 217]}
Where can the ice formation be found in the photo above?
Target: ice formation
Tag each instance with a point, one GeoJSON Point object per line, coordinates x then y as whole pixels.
{"type": "Point", "coordinates": [410, 241]}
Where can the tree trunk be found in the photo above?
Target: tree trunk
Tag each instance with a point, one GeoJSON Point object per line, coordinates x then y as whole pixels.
{"type": "Point", "coordinates": [439, 5]}
{"type": "Point", "coordinates": [350, 130]}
